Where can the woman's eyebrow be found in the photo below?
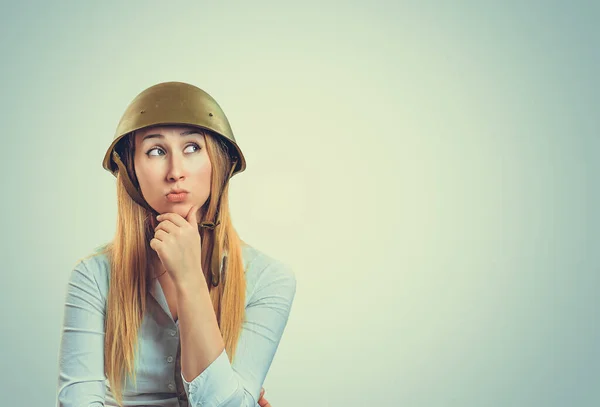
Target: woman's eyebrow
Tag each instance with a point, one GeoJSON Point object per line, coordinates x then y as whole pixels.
{"type": "Point", "coordinates": [158, 135]}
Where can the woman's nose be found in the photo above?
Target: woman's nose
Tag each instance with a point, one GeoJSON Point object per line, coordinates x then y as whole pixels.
{"type": "Point", "coordinates": [176, 168]}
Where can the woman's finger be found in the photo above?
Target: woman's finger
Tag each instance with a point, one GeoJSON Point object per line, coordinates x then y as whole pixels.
{"type": "Point", "coordinates": [161, 235]}
{"type": "Point", "coordinates": [263, 402]}
{"type": "Point", "coordinates": [192, 216]}
{"type": "Point", "coordinates": [167, 226]}
{"type": "Point", "coordinates": [173, 217]}
{"type": "Point", "coordinates": [155, 244]}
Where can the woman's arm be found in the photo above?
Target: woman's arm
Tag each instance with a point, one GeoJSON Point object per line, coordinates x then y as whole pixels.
{"type": "Point", "coordinates": [201, 340]}
{"type": "Point", "coordinates": [81, 381]}
{"type": "Point", "coordinates": [222, 384]}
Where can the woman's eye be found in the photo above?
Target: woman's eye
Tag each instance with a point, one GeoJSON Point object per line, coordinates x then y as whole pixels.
{"type": "Point", "coordinates": [153, 149]}
{"type": "Point", "coordinates": [194, 145]}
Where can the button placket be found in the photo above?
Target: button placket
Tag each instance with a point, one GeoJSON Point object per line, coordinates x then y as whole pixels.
{"type": "Point", "coordinates": [181, 395]}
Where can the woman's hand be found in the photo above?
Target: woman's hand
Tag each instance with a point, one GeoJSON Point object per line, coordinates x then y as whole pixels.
{"type": "Point", "coordinates": [178, 245]}
{"type": "Point", "coordinates": [262, 401]}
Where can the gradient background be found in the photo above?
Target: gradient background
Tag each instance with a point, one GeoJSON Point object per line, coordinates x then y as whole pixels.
{"type": "Point", "coordinates": [426, 169]}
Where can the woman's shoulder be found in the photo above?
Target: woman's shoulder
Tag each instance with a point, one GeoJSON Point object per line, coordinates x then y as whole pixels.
{"type": "Point", "coordinates": [96, 266]}
{"type": "Point", "coordinates": [262, 271]}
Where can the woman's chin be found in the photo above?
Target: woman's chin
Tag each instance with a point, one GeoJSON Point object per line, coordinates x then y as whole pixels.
{"type": "Point", "coordinates": [180, 208]}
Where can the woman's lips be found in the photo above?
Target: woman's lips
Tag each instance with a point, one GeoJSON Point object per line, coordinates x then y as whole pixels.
{"type": "Point", "coordinates": [177, 197]}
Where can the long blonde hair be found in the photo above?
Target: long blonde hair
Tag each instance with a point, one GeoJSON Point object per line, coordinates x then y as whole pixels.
{"type": "Point", "coordinates": [129, 255]}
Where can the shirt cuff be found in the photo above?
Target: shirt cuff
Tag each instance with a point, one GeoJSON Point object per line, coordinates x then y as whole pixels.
{"type": "Point", "coordinates": [214, 385]}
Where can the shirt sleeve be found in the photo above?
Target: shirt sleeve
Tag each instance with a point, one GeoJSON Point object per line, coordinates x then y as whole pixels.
{"type": "Point", "coordinates": [238, 384]}
{"type": "Point", "coordinates": [81, 381]}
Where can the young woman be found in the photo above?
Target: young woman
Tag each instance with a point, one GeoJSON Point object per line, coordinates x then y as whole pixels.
{"type": "Point", "coordinates": [176, 310]}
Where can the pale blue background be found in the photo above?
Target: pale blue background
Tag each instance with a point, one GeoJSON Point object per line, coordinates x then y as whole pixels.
{"type": "Point", "coordinates": [428, 169]}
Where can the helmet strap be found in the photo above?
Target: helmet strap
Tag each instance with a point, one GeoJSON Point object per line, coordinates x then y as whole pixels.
{"type": "Point", "coordinates": [131, 189]}
{"type": "Point", "coordinates": [216, 255]}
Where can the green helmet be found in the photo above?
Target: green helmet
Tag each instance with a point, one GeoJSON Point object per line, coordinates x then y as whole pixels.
{"type": "Point", "coordinates": [173, 103]}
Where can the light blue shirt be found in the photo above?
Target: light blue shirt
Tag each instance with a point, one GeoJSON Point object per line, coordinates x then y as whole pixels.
{"type": "Point", "coordinates": [270, 291]}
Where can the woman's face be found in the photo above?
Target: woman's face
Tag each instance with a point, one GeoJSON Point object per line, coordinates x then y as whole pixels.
{"type": "Point", "coordinates": [169, 158]}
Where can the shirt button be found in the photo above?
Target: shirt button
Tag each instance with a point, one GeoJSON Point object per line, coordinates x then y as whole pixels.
{"type": "Point", "coordinates": [171, 386]}
{"type": "Point", "coordinates": [172, 333]}
{"type": "Point", "coordinates": [170, 359]}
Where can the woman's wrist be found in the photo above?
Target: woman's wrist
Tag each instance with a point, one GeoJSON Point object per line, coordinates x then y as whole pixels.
{"type": "Point", "coordinates": [190, 284]}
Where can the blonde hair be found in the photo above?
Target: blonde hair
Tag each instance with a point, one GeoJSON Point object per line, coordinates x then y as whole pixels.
{"type": "Point", "coordinates": [129, 255]}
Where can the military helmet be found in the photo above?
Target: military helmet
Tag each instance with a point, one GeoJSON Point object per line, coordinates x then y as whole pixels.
{"type": "Point", "coordinates": [174, 103]}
